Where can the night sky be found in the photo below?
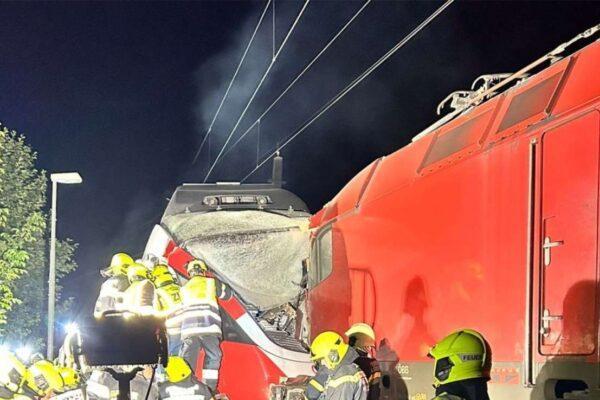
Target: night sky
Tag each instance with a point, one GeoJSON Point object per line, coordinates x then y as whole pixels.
{"type": "Point", "coordinates": [123, 93]}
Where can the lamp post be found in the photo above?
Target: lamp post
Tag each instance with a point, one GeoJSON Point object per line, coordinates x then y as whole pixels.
{"type": "Point", "coordinates": [67, 178]}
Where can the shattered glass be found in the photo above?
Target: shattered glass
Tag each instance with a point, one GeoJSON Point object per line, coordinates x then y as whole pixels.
{"type": "Point", "coordinates": [258, 253]}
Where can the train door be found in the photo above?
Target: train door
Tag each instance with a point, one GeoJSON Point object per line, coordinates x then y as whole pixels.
{"type": "Point", "coordinates": [569, 238]}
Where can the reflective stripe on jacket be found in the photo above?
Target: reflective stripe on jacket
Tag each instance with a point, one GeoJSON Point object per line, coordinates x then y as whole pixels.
{"type": "Point", "coordinates": [316, 384]}
{"type": "Point", "coordinates": [348, 382]}
{"type": "Point", "coordinates": [200, 312]}
{"type": "Point", "coordinates": [188, 389]}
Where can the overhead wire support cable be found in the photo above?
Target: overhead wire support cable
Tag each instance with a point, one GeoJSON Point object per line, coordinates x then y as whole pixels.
{"type": "Point", "coordinates": [208, 131]}
{"type": "Point", "coordinates": [351, 86]}
{"type": "Point", "coordinates": [297, 78]}
{"type": "Point", "coordinates": [262, 80]}
{"type": "Point", "coordinates": [273, 28]}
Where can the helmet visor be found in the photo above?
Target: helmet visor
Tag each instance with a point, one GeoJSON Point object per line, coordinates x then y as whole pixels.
{"type": "Point", "coordinates": [443, 366]}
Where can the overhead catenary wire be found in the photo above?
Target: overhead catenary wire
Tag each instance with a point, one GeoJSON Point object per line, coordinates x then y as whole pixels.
{"type": "Point", "coordinates": [351, 86]}
{"type": "Point", "coordinates": [274, 29]}
{"type": "Point", "coordinates": [297, 78]}
{"type": "Point", "coordinates": [262, 80]}
{"type": "Point", "coordinates": [208, 131]}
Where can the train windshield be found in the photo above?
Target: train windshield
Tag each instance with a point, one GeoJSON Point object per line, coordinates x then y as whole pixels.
{"type": "Point", "coordinates": [258, 253]}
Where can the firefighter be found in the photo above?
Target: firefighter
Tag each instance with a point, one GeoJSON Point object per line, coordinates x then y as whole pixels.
{"type": "Point", "coordinates": [70, 351]}
{"type": "Point", "coordinates": [462, 366]}
{"type": "Point", "coordinates": [201, 321]}
{"type": "Point", "coordinates": [181, 383]}
{"type": "Point", "coordinates": [44, 378]}
{"type": "Point", "coordinates": [361, 337]}
{"type": "Point", "coordinates": [41, 379]}
{"type": "Point", "coordinates": [167, 303]}
{"type": "Point", "coordinates": [13, 374]}
{"type": "Point", "coordinates": [68, 360]}
{"type": "Point", "coordinates": [112, 290]}
{"type": "Point", "coordinates": [139, 296]}
{"type": "Point", "coordinates": [345, 380]}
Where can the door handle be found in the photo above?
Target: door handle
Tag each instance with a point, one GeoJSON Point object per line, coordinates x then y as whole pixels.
{"type": "Point", "coordinates": [547, 247]}
{"type": "Point", "coordinates": [547, 318]}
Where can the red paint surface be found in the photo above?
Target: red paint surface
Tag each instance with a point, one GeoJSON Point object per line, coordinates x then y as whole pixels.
{"type": "Point", "coordinates": [233, 307]}
{"type": "Point", "coordinates": [178, 258]}
{"type": "Point", "coordinates": [246, 372]}
{"type": "Point", "coordinates": [431, 250]}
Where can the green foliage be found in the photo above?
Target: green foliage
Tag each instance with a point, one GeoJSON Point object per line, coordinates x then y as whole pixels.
{"type": "Point", "coordinates": [23, 238]}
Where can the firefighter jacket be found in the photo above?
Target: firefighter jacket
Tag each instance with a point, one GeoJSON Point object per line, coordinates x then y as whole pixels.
{"type": "Point", "coordinates": [111, 295]}
{"type": "Point", "coordinates": [188, 389]}
{"type": "Point", "coordinates": [200, 312]}
{"type": "Point", "coordinates": [370, 367]}
{"type": "Point", "coordinates": [316, 384]}
{"type": "Point", "coordinates": [139, 297]}
{"type": "Point", "coordinates": [346, 381]}
{"type": "Point", "coordinates": [167, 304]}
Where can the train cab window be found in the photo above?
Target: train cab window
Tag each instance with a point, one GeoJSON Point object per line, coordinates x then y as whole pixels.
{"type": "Point", "coordinates": [321, 259]}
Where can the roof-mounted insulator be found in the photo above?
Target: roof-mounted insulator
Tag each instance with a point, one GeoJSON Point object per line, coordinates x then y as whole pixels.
{"type": "Point", "coordinates": [457, 100]}
{"type": "Point", "coordinates": [485, 82]}
{"type": "Point", "coordinates": [461, 99]}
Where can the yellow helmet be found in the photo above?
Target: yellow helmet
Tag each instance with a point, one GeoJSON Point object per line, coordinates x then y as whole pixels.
{"type": "Point", "coordinates": [196, 267]}
{"type": "Point", "coordinates": [177, 369]}
{"type": "Point", "coordinates": [461, 355]}
{"type": "Point", "coordinates": [159, 270]}
{"type": "Point", "coordinates": [361, 335]}
{"type": "Point", "coordinates": [137, 272]}
{"type": "Point", "coordinates": [43, 377]}
{"type": "Point", "coordinates": [13, 372]}
{"type": "Point", "coordinates": [118, 264]}
{"type": "Point", "coordinates": [164, 280]}
{"type": "Point", "coordinates": [328, 347]}
{"type": "Point", "coordinates": [69, 376]}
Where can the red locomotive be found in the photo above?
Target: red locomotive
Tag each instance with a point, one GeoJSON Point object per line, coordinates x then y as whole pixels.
{"type": "Point", "coordinates": [487, 220]}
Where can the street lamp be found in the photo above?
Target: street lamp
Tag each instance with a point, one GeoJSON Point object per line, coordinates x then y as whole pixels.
{"type": "Point", "coordinates": [67, 178]}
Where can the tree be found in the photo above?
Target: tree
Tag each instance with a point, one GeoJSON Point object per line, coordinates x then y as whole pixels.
{"type": "Point", "coordinates": [23, 238]}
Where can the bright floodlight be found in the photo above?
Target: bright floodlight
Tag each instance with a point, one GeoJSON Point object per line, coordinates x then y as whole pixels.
{"type": "Point", "coordinates": [4, 349]}
{"type": "Point", "coordinates": [71, 328]}
{"type": "Point", "coordinates": [24, 352]}
{"type": "Point", "coordinates": [68, 178]}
